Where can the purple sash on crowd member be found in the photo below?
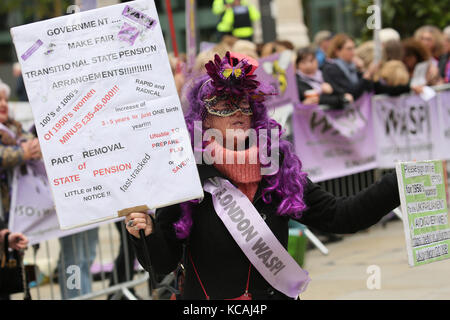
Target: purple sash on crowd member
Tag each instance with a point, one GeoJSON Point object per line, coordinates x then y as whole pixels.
{"type": "Point", "coordinates": [315, 80]}
{"type": "Point", "coordinates": [255, 238]}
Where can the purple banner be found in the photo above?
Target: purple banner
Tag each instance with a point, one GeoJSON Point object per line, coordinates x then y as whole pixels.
{"type": "Point", "coordinates": [32, 209]}
{"type": "Point", "coordinates": [334, 144]}
{"type": "Point", "coordinates": [278, 70]}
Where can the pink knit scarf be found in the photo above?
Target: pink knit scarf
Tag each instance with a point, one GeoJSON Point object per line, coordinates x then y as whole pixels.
{"type": "Point", "coordinates": [245, 176]}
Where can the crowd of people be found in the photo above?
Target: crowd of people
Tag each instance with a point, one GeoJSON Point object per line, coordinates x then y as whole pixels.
{"type": "Point", "coordinates": [335, 71]}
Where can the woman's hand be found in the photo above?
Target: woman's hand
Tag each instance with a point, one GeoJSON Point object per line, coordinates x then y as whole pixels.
{"type": "Point", "coordinates": [31, 149]}
{"type": "Point", "coordinates": [433, 77]}
{"type": "Point", "coordinates": [417, 89]}
{"type": "Point", "coordinates": [17, 241]}
{"type": "Point", "coordinates": [349, 97]}
{"type": "Point", "coordinates": [371, 70]}
{"type": "Point", "coordinates": [311, 101]}
{"type": "Point", "coordinates": [327, 88]}
{"type": "Point", "coordinates": [36, 149]}
{"type": "Point", "coordinates": [27, 149]}
{"type": "Point", "coordinates": [359, 63]}
{"type": "Point", "coordinates": [136, 221]}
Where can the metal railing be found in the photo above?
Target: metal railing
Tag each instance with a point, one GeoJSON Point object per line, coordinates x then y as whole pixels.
{"type": "Point", "coordinates": [79, 279]}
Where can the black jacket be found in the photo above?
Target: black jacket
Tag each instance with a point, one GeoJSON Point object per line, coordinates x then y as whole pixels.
{"type": "Point", "coordinates": [221, 264]}
{"type": "Point", "coordinates": [334, 101]}
{"type": "Point", "coordinates": [337, 79]}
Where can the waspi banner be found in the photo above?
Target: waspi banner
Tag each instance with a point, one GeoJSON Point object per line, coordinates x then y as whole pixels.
{"type": "Point", "coordinates": [409, 128]}
{"type": "Point", "coordinates": [375, 132]}
{"type": "Point", "coordinates": [334, 143]}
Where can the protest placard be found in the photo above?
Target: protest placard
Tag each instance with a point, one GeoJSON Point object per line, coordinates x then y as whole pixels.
{"type": "Point", "coordinates": [424, 200]}
{"type": "Point", "coordinates": [107, 113]}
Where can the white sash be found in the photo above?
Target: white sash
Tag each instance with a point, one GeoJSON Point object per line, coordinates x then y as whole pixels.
{"type": "Point", "coordinates": [255, 238]}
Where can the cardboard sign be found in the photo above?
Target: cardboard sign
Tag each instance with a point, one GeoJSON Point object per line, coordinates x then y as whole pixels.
{"type": "Point", "coordinates": [107, 113]}
{"type": "Point", "coordinates": [424, 200]}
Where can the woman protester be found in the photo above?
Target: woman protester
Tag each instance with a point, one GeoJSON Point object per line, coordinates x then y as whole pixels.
{"type": "Point", "coordinates": [312, 89]}
{"type": "Point", "coordinates": [230, 98]}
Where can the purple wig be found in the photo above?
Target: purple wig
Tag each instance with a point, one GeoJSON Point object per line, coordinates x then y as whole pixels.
{"type": "Point", "coordinates": [287, 183]}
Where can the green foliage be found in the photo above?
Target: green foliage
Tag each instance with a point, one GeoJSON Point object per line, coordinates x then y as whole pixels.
{"type": "Point", "coordinates": [406, 16]}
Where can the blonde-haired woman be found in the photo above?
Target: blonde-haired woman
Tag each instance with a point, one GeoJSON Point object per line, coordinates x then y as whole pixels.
{"type": "Point", "coordinates": [394, 73]}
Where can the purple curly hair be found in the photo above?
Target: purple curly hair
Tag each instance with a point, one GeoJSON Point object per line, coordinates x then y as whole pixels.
{"type": "Point", "coordinates": [287, 183]}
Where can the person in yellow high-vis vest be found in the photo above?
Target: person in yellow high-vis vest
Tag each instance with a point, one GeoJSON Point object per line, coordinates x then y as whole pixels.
{"type": "Point", "coordinates": [237, 17]}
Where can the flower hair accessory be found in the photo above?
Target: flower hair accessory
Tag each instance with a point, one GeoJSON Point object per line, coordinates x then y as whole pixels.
{"type": "Point", "coordinates": [233, 76]}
